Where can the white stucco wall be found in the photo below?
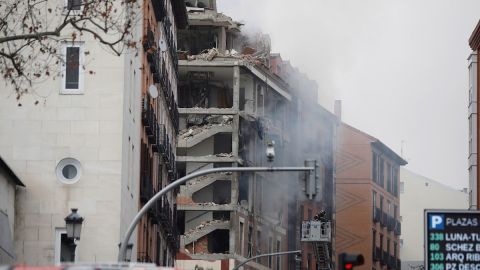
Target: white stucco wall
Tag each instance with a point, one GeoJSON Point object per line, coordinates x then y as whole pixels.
{"type": "Point", "coordinates": [89, 127]}
{"type": "Point", "coordinates": [421, 193]}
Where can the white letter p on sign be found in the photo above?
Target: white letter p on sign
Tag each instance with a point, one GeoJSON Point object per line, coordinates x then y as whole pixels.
{"type": "Point", "coordinates": [436, 220]}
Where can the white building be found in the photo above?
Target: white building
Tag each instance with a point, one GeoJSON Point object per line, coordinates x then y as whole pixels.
{"type": "Point", "coordinates": [416, 194]}
{"type": "Point", "coordinates": [79, 147]}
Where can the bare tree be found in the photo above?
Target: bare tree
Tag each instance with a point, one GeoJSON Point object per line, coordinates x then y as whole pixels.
{"type": "Point", "coordinates": [31, 32]}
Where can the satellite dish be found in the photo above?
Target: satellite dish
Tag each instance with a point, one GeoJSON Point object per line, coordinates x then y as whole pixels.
{"type": "Point", "coordinates": [152, 90]}
{"type": "Point", "coordinates": [162, 45]}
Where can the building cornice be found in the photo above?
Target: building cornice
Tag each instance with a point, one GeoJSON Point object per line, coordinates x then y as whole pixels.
{"type": "Point", "coordinates": [474, 40]}
{"type": "Point", "coordinates": [10, 173]}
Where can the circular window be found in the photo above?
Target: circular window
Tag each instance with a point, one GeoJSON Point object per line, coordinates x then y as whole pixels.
{"type": "Point", "coordinates": [69, 170]}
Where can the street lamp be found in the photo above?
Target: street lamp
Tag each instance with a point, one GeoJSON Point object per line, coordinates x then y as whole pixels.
{"type": "Point", "coordinates": [74, 224]}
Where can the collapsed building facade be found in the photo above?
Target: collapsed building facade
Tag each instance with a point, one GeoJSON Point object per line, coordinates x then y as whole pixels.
{"type": "Point", "coordinates": [235, 97]}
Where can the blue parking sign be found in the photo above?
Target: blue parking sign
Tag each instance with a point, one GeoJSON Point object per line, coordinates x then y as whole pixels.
{"type": "Point", "coordinates": [436, 222]}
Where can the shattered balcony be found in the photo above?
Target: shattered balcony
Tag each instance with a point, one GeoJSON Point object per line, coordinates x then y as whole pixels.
{"type": "Point", "coordinates": [200, 183]}
{"type": "Point", "coordinates": [213, 158]}
{"type": "Point", "coordinates": [208, 206]}
{"type": "Point", "coordinates": [196, 134]}
{"type": "Point", "coordinates": [202, 230]}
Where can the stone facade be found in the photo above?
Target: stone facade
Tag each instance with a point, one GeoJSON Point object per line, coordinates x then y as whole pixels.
{"type": "Point", "coordinates": [100, 128]}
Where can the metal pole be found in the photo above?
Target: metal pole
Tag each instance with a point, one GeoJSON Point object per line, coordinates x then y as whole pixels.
{"type": "Point", "coordinates": [149, 204]}
{"type": "Point", "coordinates": [266, 255]}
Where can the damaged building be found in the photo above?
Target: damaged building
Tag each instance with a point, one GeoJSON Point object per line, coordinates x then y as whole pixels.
{"type": "Point", "coordinates": [234, 97]}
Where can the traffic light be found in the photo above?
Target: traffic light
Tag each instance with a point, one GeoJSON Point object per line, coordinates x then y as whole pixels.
{"type": "Point", "coordinates": [311, 179]}
{"type": "Point", "coordinates": [346, 261]}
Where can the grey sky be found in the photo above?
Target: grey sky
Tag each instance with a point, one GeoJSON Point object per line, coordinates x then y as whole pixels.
{"type": "Point", "coordinates": [398, 66]}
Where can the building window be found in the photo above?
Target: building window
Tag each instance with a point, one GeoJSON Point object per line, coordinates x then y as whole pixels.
{"type": "Point", "coordinates": [72, 7]}
{"type": "Point", "coordinates": [73, 4]}
{"type": "Point", "coordinates": [250, 244]}
{"type": "Point", "coordinates": [389, 208]}
{"type": "Point", "coordinates": [68, 170]}
{"type": "Point", "coordinates": [374, 167]}
{"type": "Point", "coordinates": [395, 249]}
{"type": "Point", "coordinates": [381, 203]}
{"type": "Point", "coordinates": [65, 250]}
{"type": "Point", "coordinates": [388, 246]}
{"type": "Point", "coordinates": [72, 73]}
{"type": "Point", "coordinates": [259, 246]}
{"type": "Point", "coordinates": [381, 172]}
{"type": "Point", "coordinates": [270, 250]}
{"type": "Point", "coordinates": [374, 199]}
{"type": "Point", "coordinates": [402, 187]}
{"type": "Point", "coordinates": [389, 177]}
{"type": "Point", "coordinates": [240, 242]}
{"type": "Point", "coordinates": [381, 242]}
{"type": "Point", "coordinates": [374, 239]}
{"type": "Point", "coordinates": [278, 257]}
{"type": "Point", "coordinates": [395, 182]}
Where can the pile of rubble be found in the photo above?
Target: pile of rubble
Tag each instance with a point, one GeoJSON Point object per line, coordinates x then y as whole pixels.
{"type": "Point", "coordinates": [204, 177]}
{"type": "Point", "coordinates": [202, 226]}
{"type": "Point", "coordinates": [199, 124]}
{"type": "Point", "coordinates": [249, 55]}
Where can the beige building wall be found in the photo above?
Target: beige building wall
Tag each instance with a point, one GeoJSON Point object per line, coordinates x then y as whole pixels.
{"type": "Point", "coordinates": [93, 127]}
{"type": "Point", "coordinates": [416, 194]}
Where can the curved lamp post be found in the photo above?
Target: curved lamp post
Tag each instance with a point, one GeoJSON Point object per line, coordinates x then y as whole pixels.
{"type": "Point", "coordinates": [150, 203]}
{"type": "Point", "coordinates": [267, 255]}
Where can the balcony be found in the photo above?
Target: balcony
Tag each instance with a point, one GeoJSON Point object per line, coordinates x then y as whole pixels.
{"type": "Point", "coordinates": [158, 146]}
{"type": "Point", "coordinates": [376, 254]}
{"type": "Point", "coordinates": [398, 228]}
{"type": "Point", "coordinates": [391, 262]}
{"type": "Point", "coordinates": [146, 187]}
{"type": "Point", "coordinates": [169, 97]}
{"type": "Point", "coordinates": [170, 40]}
{"type": "Point", "coordinates": [147, 115]}
{"type": "Point", "coordinates": [383, 219]}
{"type": "Point", "coordinates": [376, 215]}
{"type": "Point", "coordinates": [390, 223]}
{"type": "Point", "coordinates": [384, 258]}
{"type": "Point", "coordinates": [149, 40]}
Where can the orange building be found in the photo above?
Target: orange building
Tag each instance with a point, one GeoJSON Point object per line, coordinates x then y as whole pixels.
{"type": "Point", "coordinates": [158, 239]}
{"type": "Point", "coordinates": [367, 199]}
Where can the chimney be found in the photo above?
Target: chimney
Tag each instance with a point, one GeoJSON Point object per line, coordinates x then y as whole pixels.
{"type": "Point", "coordinates": [337, 109]}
